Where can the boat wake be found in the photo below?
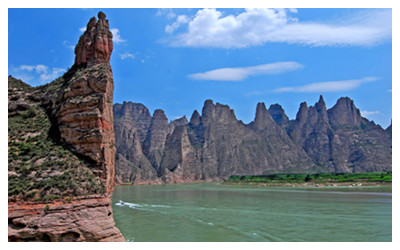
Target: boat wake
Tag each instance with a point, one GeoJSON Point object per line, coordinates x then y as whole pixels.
{"type": "Point", "coordinates": [121, 203]}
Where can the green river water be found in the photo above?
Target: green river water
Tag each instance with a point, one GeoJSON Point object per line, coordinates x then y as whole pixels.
{"type": "Point", "coordinates": [212, 212]}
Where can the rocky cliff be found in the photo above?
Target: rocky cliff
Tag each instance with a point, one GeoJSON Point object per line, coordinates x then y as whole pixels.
{"type": "Point", "coordinates": [215, 145]}
{"type": "Point", "coordinates": [62, 149]}
{"type": "Point", "coordinates": [340, 140]}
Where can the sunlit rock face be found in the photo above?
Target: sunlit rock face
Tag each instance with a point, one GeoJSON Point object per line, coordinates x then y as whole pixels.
{"type": "Point", "coordinates": [79, 108]}
{"type": "Point", "coordinates": [95, 45]}
{"type": "Point", "coordinates": [215, 145]}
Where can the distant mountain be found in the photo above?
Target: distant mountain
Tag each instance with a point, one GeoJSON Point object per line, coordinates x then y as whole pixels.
{"type": "Point", "coordinates": [215, 145]}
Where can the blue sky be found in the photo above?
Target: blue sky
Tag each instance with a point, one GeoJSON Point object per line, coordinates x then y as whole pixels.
{"type": "Point", "coordinates": [175, 59]}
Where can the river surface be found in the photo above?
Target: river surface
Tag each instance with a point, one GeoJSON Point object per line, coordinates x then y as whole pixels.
{"type": "Point", "coordinates": [212, 212]}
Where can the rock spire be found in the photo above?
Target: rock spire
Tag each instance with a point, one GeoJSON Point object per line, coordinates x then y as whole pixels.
{"type": "Point", "coordinates": [95, 45]}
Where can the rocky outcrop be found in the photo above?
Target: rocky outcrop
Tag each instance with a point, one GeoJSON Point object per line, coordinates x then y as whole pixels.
{"type": "Point", "coordinates": [389, 129]}
{"type": "Point", "coordinates": [278, 114]}
{"type": "Point", "coordinates": [215, 145]}
{"type": "Point", "coordinates": [340, 140]}
{"type": "Point", "coordinates": [153, 146]}
{"type": "Point", "coordinates": [72, 117]}
{"type": "Point", "coordinates": [311, 131]}
{"type": "Point", "coordinates": [131, 123]}
{"type": "Point", "coordinates": [95, 45]}
{"type": "Point", "coordinates": [81, 220]}
{"type": "Point", "coordinates": [344, 114]}
{"type": "Point", "coordinates": [85, 119]}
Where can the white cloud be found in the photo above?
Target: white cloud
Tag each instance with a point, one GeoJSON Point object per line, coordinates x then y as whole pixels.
{"type": "Point", "coordinates": [68, 45]}
{"type": "Point", "coordinates": [366, 113]}
{"type": "Point", "coordinates": [169, 13]}
{"type": "Point", "coordinates": [182, 19]}
{"type": "Point", "coordinates": [54, 73]}
{"type": "Point", "coordinates": [124, 56]}
{"type": "Point", "coordinates": [209, 28]}
{"type": "Point", "coordinates": [40, 68]}
{"type": "Point", "coordinates": [116, 36]}
{"type": "Point", "coordinates": [40, 72]}
{"type": "Point", "coordinates": [27, 67]}
{"type": "Point", "coordinates": [331, 86]}
{"type": "Point", "coordinates": [82, 29]}
{"type": "Point", "coordinates": [241, 73]}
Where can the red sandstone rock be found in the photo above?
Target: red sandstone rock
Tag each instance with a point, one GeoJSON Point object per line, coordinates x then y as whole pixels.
{"type": "Point", "coordinates": [81, 220]}
{"type": "Point", "coordinates": [83, 109]}
{"type": "Point", "coordinates": [85, 119]}
{"type": "Point", "coordinates": [95, 45]}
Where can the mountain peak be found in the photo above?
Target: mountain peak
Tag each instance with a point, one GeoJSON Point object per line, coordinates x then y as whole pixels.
{"type": "Point", "coordinates": [344, 113]}
{"type": "Point", "coordinates": [195, 120]}
{"type": "Point", "coordinates": [320, 103]}
{"type": "Point", "coordinates": [278, 114]}
{"type": "Point", "coordinates": [95, 44]}
{"type": "Point", "coordinates": [263, 119]}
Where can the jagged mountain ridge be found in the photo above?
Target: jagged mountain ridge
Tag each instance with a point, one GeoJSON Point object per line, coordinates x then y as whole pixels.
{"type": "Point", "coordinates": [216, 145]}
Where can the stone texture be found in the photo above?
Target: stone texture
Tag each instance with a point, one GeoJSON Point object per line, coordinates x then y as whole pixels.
{"type": "Point", "coordinates": [312, 132]}
{"type": "Point", "coordinates": [215, 145]}
{"type": "Point", "coordinates": [389, 129]}
{"type": "Point", "coordinates": [95, 45]}
{"type": "Point", "coordinates": [82, 220]}
{"type": "Point", "coordinates": [339, 139]}
{"type": "Point", "coordinates": [278, 114]}
{"type": "Point", "coordinates": [180, 164]}
{"type": "Point", "coordinates": [344, 113]}
{"type": "Point", "coordinates": [85, 119]}
{"type": "Point", "coordinates": [153, 146]}
{"type": "Point", "coordinates": [131, 123]}
{"type": "Point", "coordinates": [80, 107]}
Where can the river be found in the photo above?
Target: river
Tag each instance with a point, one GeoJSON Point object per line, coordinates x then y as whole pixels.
{"type": "Point", "coordinates": [212, 212]}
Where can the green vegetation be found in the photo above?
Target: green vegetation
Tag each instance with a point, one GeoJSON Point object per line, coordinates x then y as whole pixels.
{"type": "Point", "coordinates": [41, 168]}
{"type": "Point", "coordinates": [383, 177]}
{"type": "Point", "coordinates": [16, 83]}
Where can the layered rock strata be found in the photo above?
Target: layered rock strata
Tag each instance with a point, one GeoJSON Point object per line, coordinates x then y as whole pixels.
{"type": "Point", "coordinates": [79, 106]}
{"type": "Point", "coordinates": [85, 119]}
{"type": "Point", "coordinates": [87, 219]}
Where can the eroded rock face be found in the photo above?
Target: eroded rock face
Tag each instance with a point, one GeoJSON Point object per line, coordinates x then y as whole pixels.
{"type": "Point", "coordinates": [345, 113]}
{"type": "Point", "coordinates": [79, 106]}
{"type": "Point", "coordinates": [312, 132]}
{"type": "Point", "coordinates": [278, 114]}
{"type": "Point", "coordinates": [95, 45]}
{"type": "Point", "coordinates": [215, 145]}
{"type": "Point", "coordinates": [85, 119]}
{"type": "Point", "coordinates": [131, 123]}
{"type": "Point", "coordinates": [340, 140]}
{"type": "Point", "coordinates": [82, 220]}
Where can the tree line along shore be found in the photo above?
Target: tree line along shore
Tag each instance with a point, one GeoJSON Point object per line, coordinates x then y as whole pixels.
{"type": "Point", "coordinates": [318, 179]}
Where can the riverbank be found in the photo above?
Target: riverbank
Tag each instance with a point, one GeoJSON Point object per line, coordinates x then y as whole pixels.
{"type": "Point", "coordinates": [315, 180]}
{"type": "Point", "coordinates": [293, 180]}
{"type": "Point", "coordinates": [310, 184]}
{"type": "Point", "coordinates": [144, 183]}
